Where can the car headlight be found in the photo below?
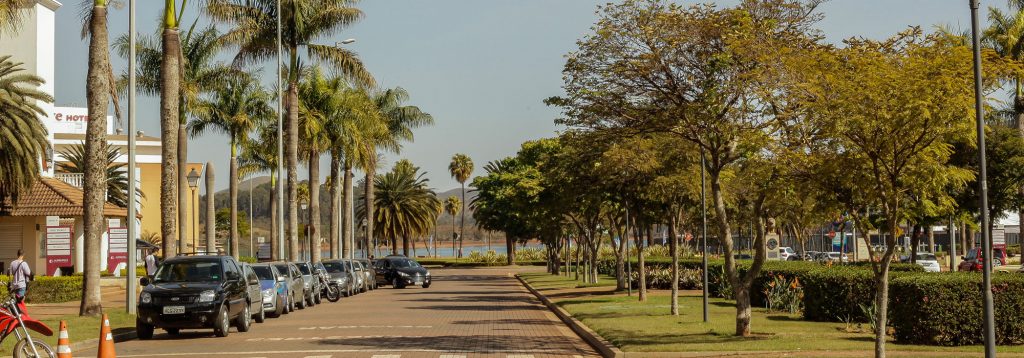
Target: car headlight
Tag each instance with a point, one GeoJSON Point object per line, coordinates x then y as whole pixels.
{"type": "Point", "coordinates": [207, 296]}
{"type": "Point", "coordinates": [268, 294]}
{"type": "Point", "coordinates": [403, 274]}
{"type": "Point", "coordinates": [145, 297]}
{"type": "Point", "coordinates": [428, 273]}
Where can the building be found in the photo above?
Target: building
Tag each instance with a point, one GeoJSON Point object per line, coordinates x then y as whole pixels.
{"type": "Point", "coordinates": [47, 223]}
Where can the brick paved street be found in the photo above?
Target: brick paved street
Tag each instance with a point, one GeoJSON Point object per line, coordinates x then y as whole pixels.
{"type": "Point", "coordinates": [465, 313]}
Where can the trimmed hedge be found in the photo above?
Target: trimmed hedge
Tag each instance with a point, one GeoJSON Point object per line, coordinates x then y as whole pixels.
{"type": "Point", "coordinates": [835, 295]}
{"type": "Point", "coordinates": [946, 309]}
{"type": "Point", "coordinates": [48, 289]}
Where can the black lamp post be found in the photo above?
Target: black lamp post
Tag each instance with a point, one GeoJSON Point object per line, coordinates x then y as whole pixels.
{"type": "Point", "coordinates": [986, 237]}
{"type": "Point", "coordinates": [193, 182]}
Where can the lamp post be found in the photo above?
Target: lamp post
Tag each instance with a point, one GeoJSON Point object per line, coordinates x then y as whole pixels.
{"type": "Point", "coordinates": [704, 236]}
{"type": "Point", "coordinates": [130, 299]}
{"type": "Point", "coordinates": [986, 237]}
{"type": "Point", "coordinates": [280, 143]}
{"type": "Point", "coordinates": [306, 226]}
{"type": "Point", "coordinates": [193, 182]}
{"type": "Point", "coordinates": [629, 268]}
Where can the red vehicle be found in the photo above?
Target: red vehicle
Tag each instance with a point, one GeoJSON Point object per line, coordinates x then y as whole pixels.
{"type": "Point", "coordinates": [13, 319]}
{"type": "Point", "coordinates": [974, 259]}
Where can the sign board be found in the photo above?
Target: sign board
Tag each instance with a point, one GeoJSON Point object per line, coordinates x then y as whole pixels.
{"type": "Point", "coordinates": [117, 247]}
{"type": "Point", "coordinates": [263, 252]}
{"type": "Point", "coordinates": [999, 235]}
{"type": "Point", "coordinates": [72, 120]}
{"type": "Point", "coordinates": [53, 221]}
{"type": "Point", "coordinates": [260, 239]}
{"type": "Point", "coordinates": [58, 248]}
{"type": "Point", "coordinates": [772, 246]}
{"type": "Point", "coordinates": [113, 222]}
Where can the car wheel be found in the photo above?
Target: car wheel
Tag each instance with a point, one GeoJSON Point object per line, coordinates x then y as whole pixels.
{"type": "Point", "coordinates": [996, 263]}
{"type": "Point", "coordinates": [395, 284]}
{"type": "Point", "coordinates": [173, 331]}
{"type": "Point", "coordinates": [288, 307]}
{"type": "Point", "coordinates": [222, 327]}
{"type": "Point", "coordinates": [319, 299]}
{"type": "Point", "coordinates": [143, 330]}
{"type": "Point", "coordinates": [278, 308]}
{"type": "Point", "coordinates": [244, 321]}
{"type": "Point", "coordinates": [301, 304]}
{"type": "Point", "coordinates": [426, 285]}
{"type": "Point", "coordinates": [262, 316]}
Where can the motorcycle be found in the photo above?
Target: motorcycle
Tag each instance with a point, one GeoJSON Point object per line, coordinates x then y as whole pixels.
{"type": "Point", "coordinates": [13, 319]}
{"type": "Point", "coordinates": [329, 288]}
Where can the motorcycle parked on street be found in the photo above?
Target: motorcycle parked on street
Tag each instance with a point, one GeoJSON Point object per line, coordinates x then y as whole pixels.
{"type": "Point", "coordinates": [13, 319]}
{"type": "Point", "coordinates": [328, 287]}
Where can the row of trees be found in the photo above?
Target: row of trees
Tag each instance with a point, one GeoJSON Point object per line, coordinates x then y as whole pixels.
{"type": "Point", "coordinates": [792, 132]}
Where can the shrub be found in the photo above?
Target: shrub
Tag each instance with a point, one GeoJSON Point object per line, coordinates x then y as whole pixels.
{"type": "Point", "coordinates": [139, 272]}
{"type": "Point", "coordinates": [48, 289]}
{"type": "Point", "coordinates": [944, 309]}
{"type": "Point", "coordinates": [784, 295]}
{"type": "Point", "coordinates": [531, 254]}
{"type": "Point", "coordinates": [491, 258]}
{"type": "Point", "coordinates": [248, 259]}
{"type": "Point", "coordinates": [836, 294]}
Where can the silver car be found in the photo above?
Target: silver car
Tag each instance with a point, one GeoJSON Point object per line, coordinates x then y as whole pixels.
{"type": "Point", "coordinates": [341, 274]}
{"type": "Point", "coordinates": [928, 261]}
{"type": "Point", "coordinates": [360, 281]}
{"type": "Point", "coordinates": [371, 277]}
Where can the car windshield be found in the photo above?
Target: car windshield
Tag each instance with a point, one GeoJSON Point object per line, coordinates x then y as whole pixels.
{"type": "Point", "coordinates": [334, 267]}
{"type": "Point", "coordinates": [195, 271]}
{"type": "Point", "coordinates": [973, 254]}
{"type": "Point", "coordinates": [405, 263]}
{"type": "Point", "coordinates": [283, 269]}
{"type": "Point", "coordinates": [789, 250]}
{"type": "Point", "coordinates": [263, 272]}
{"type": "Point", "coordinates": [304, 268]}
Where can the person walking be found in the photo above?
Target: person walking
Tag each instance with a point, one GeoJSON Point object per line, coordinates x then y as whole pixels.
{"type": "Point", "coordinates": [151, 264]}
{"type": "Point", "coordinates": [20, 275]}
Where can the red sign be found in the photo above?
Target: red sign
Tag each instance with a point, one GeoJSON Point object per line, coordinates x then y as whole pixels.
{"type": "Point", "coordinates": [58, 248]}
{"type": "Point", "coordinates": [117, 247]}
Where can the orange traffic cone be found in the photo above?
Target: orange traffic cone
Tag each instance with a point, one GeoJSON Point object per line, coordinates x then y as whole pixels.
{"type": "Point", "coordinates": [63, 345]}
{"type": "Point", "coordinates": [106, 340]}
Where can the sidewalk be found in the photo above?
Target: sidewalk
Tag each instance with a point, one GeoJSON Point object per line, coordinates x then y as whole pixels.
{"type": "Point", "coordinates": [112, 297]}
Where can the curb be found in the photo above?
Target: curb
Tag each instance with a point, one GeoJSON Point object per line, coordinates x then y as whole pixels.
{"type": "Point", "coordinates": [605, 348]}
{"type": "Point", "coordinates": [91, 343]}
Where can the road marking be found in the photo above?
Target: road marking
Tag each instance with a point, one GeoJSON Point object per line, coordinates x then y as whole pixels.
{"type": "Point", "coordinates": [356, 327]}
{"type": "Point", "coordinates": [519, 356]}
{"type": "Point", "coordinates": [452, 356]}
{"type": "Point", "coordinates": [326, 356]}
{"type": "Point", "coordinates": [386, 356]}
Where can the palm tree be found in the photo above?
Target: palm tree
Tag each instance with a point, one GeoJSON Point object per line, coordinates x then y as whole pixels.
{"type": "Point", "coordinates": [461, 168]}
{"type": "Point", "coordinates": [116, 175]}
{"type": "Point", "coordinates": [318, 104]}
{"type": "Point", "coordinates": [254, 31]}
{"type": "Point", "coordinates": [1005, 35]}
{"type": "Point", "coordinates": [22, 134]}
{"type": "Point", "coordinates": [400, 120]}
{"type": "Point", "coordinates": [453, 206]}
{"type": "Point", "coordinates": [405, 206]}
{"type": "Point", "coordinates": [260, 156]}
{"type": "Point", "coordinates": [236, 110]}
{"type": "Point", "coordinates": [98, 91]}
{"type": "Point", "coordinates": [12, 13]}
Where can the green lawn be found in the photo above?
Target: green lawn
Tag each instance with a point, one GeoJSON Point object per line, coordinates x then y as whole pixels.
{"type": "Point", "coordinates": [543, 281]}
{"type": "Point", "coordinates": [79, 328]}
{"type": "Point", "coordinates": [647, 327]}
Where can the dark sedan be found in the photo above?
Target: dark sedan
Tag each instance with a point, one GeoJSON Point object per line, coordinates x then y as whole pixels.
{"type": "Point", "coordinates": [400, 271]}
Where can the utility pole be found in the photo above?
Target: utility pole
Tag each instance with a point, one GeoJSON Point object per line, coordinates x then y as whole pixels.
{"type": "Point", "coordinates": [986, 236]}
{"type": "Point", "coordinates": [704, 234]}
{"type": "Point", "coordinates": [130, 298]}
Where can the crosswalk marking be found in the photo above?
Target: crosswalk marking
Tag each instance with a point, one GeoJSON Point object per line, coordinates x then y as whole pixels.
{"type": "Point", "coordinates": [519, 356]}
{"type": "Point", "coordinates": [386, 356]}
{"type": "Point", "coordinates": [452, 356]}
{"type": "Point", "coordinates": [327, 356]}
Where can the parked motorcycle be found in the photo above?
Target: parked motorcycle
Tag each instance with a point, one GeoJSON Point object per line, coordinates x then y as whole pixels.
{"type": "Point", "coordinates": [329, 288]}
{"type": "Point", "coordinates": [13, 319]}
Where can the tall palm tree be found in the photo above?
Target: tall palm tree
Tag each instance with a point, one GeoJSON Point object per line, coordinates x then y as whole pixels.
{"type": "Point", "coordinates": [461, 168]}
{"type": "Point", "coordinates": [173, 197]}
{"type": "Point", "coordinates": [22, 134]}
{"type": "Point", "coordinates": [1005, 35]}
{"type": "Point", "coordinates": [254, 31]}
{"type": "Point", "coordinates": [318, 104]}
{"type": "Point", "coordinates": [12, 14]}
{"type": "Point", "coordinates": [401, 120]}
{"type": "Point", "coordinates": [453, 206]}
{"type": "Point", "coordinates": [116, 175]}
{"type": "Point", "coordinates": [98, 89]}
{"type": "Point", "coordinates": [405, 206]}
{"type": "Point", "coordinates": [259, 155]}
{"type": "Point", "coordinates": [236, 110]}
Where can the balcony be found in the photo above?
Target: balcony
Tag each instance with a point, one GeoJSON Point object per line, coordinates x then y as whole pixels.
{"type": "Point", "coordinates": [75, 179]}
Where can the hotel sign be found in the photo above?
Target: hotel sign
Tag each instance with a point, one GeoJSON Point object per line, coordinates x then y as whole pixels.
{"type": "Point", "coordinates": [58, 248]}
{"type": "Point", "coordinates": [117, 247]}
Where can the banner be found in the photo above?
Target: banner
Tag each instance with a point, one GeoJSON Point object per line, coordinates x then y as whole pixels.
{"type": "Point", "coordinates": [117, 247]}
{"type": "Point", "coordinates": [58, 248]}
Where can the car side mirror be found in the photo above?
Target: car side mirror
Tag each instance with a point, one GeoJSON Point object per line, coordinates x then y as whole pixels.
{"type": "Point", "coordinates": [145, 281]}
{"type": "Point", "coordinates": [281, 279]}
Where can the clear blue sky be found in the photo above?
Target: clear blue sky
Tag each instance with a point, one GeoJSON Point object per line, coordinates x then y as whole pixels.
{"type": "Point", "coordinates": [480, 67]}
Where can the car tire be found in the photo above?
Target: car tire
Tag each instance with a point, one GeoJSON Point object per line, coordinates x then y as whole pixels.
{"type": "Point", "coordinates": [143, 330]}
{"type": "Point", "coordinates": [426, 285]}
{"type": "Point", "coordinates": [172, 331]}
{"type": "Point", "coordinates": [996, 263]}
{"type": "Point", "coordinates": [244, 320]}
{"type": "Point", "coordinates": [262, 316]}
{"type": "Point", "coordinates": [319, 299]}
{"type": "Point", "coordinates": [301, 304]}
{"type": "Point", "coordinates": [278, 308]}
{"type": "Point", "coordinates": [222, 326]}
{"type": "Point", "coordinates": [395, 283]}
{"type": "Point", "coordinates": [288, 305]}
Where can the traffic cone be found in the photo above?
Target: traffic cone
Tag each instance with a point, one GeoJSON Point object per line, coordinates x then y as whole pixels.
{"type": "Point", "coordinates": [63, 345]}
{"type": "Point", "coordinates": [106, 340]}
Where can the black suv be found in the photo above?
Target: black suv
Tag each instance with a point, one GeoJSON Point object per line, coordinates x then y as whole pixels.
{"type": "Point", "coordinates": [195, 292]}
{"type": "Point", "coordinates": [400, 271]}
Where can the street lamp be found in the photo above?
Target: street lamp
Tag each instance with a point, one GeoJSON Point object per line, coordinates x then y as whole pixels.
{"type": "Point", "coordinates": [344, 42]}
{"type": "Point", "coordinates": [193, 182]}
{"type": "Point", "coordinates": [130, 292]}
{"type": "Point", "coordinates": [986, 237]}
{"type": "Point", "coordinates": [704, 235]}
{"type": "Point", "coordinates": [304, 206]}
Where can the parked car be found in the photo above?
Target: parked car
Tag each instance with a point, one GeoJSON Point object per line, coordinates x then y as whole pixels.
{"type": "Point", "coordinates": [273, 288]}
{"type": "Point", "coordinates": [358, 279]}
{"type": "Point", "coordinates": [400, 271]}
{"type": "Point", "coordinates": [293, 280]}
{"type": "Point", "coordinates": [833, 256]}
{"type": "Point", "coordinates": [926, 260]}
{"type": "Point", "coordinates": [973, 261]}
{"type": "Point", "coordinates": [342, 274]}
{"type": "Point", "coordinates": [810, 255]}
{"type": "Point", "coordinates": [255, 293]}
{"type": "Point", "coordinates": [787, 254]}
{"type": "Point", "coordinates": [310, 285]}
{"type": "Point", "coordinates": [194, 292]}
{"type": "Point", "coordinates": [742, 257]}
{"type": "Point", "coordinates": [363, 272]}
{"type": "Point", "coordinates": [371, 278]}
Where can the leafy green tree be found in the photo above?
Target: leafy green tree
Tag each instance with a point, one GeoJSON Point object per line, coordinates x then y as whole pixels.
{"type": "Point", "coordinates": [461, 168]}
{"type": "Point", "coordinates": [236, 109]}
{"type": "Point", "coordinates": [22, 134]}
{"type": "Point", "coordinates": [405, 205]}
{"type": "Point", "coordinates": [225, 224]}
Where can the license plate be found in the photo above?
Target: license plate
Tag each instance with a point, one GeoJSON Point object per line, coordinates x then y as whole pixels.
{"type": "Point", "coordinates": [419, 282]}
{"type": "Point", "coordinates": [174, 309]}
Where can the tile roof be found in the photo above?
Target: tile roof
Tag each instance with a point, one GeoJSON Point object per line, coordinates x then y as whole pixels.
{"type": "Point", "coordinates": [49, 196]}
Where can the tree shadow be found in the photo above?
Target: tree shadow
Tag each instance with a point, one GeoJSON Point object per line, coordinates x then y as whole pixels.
{"type": "Point", "coordinates": [784, 318]}
{"type": "Point", "coordinates": [462, 343]}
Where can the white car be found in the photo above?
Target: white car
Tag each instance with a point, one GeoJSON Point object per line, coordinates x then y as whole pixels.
{"type": "Point", "coordinates": [928, 261]}
{"type": "Point", "coordinates": [787, 254]}
{"type": "Point", "coordinates": [833, 256]}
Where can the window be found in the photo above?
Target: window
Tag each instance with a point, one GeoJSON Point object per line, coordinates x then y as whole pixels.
{"type": "Point", "coordinates": [250, 275]}
{"type": "Point", "coordinates": [189, 272]}
{"type": "Point", "coordinates": [334, 267]}
{"type": "Point", "coordinates": [406, 263]}
{"type": "Point", "coordinates": [231, 267]}
{"type": "Point", "coordinates": [304, 268]}
{"type": "Point", "coordinates": [263, 272]}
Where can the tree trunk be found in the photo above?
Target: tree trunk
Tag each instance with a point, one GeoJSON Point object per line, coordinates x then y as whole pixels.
{"type": "Point", "coordinates": [169, 125]}
{"type": "Point", "coordinates": [368, 197]}
{"type": "Point", "coordinates": [970, 237]}
{"type": "Point", "coordinates": [275, 249]}
{"type": "Point", "coordinates": [641, 269]}
{"type": "Point", "coordinates": [462, 221]}
{"type": "Point", "coordinates": [963, 239]}
{"type": "Point", "coordinates": [915, 240]}
{"type": "Point", "coordinates": [347, 223]}
{"type": "Point", "coordinates": [931, 238]}
{"type": "Point", "coordinates": [405, 245]}
{"type": "Point", "coordinates": [211, 214]}
{"type": "Point", "coordinates": [674, 249]}
{"type": "Point", "coordinates": [620, 260]}
{"type": "Point", "coordinates": [725, 238]}
{"type": "Point", "coordinates": [335, 220]}
{"type": "Point", "coordinates": [881, 307]}
{"type": "Point", "coordinates": [97, 94]}
{"type": "Point", "coordinates": [233, 194]}
{"type": "Point", "coordinates": [291, 150]}
{"type": "Point", "coordinates": [184, 234]}
{"type": "Point", "coordinates": [314, 206]}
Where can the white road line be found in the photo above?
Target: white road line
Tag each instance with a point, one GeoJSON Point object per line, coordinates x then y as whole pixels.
{"type": "Point", "coordinates": [519, 356]}
{"type": "Point", "coordinates": [452, 356]}
{"type": "Point", "coordinates": [386, 356]}
{"type": "Point", "coordinates": [326, 356]}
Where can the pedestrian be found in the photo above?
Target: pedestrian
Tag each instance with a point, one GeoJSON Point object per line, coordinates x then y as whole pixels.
{"type": "Point", "coordinates": [20, 274]}
{"type": "Point", "coordinates": [151, 264]}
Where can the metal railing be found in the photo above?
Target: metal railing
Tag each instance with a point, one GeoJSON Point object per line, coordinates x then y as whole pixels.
{"type": "Point", "coordinates": [75, 179]}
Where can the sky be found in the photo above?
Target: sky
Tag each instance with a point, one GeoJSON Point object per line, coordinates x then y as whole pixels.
{"type": "Point", "coordinates": [481, 68]}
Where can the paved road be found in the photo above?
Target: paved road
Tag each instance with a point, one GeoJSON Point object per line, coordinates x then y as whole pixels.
{"type": "Point", "coordinates": [465, 313]}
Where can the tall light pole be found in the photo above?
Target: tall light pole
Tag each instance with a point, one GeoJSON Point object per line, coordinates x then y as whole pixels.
{"type": "Point", "coordinates": [986, 236]}
{"type": "Point", "coordinates": [252, 249]}
{"type": "Point", "coordinates": [704, 235]}
{"type": "Point", "coordinates": [193, 183]}
{"type": "Point", "coordinates": [629, 268]}
{"type": "Point", "coordinates": [280, 144]}
{"type": "Point", "coordinates": [132, 258]}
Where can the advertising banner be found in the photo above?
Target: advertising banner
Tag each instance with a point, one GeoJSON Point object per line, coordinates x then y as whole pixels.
{"type": "Point", "coordinates": [117, 247]}
{"type": "Point", "coordinates": [58, 248]}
